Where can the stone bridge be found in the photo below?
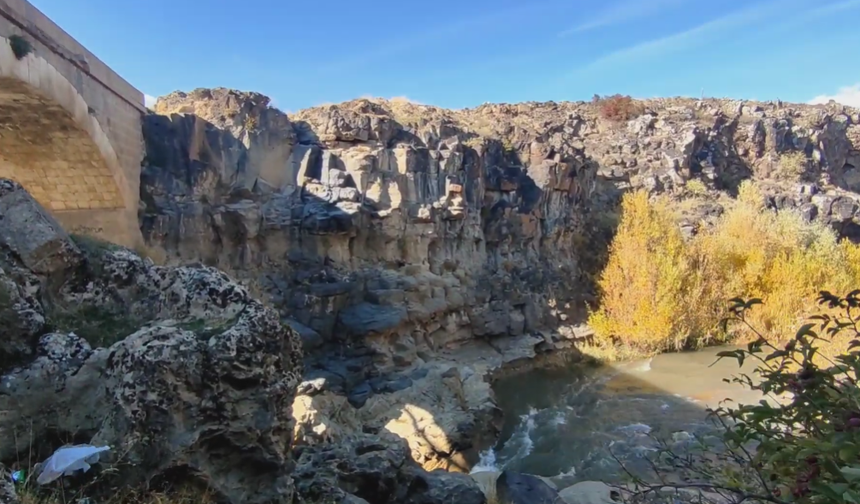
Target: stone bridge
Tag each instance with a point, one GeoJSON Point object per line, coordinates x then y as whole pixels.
{"type": "Point", "coordinates": [70, 127]}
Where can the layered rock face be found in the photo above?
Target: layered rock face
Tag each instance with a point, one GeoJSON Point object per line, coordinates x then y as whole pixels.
{"type": "Point", "coordinates": [379, 218]}
{"type": "Point", "coordinates": [357, 224]}
{"type": "Point", "coordinates": [394, 237]}
{"type": "Point", "coordinates": [385, 245]}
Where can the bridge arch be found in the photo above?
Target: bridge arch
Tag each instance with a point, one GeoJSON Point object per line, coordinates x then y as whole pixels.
{"type": "Point", "coordinates": [51, 143]}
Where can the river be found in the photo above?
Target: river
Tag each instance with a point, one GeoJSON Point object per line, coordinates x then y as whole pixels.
{"type": "Point", "coordinates": [569, 424]}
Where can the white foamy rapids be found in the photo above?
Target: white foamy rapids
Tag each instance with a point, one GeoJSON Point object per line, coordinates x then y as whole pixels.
{"type": "Point", "coordinates": [486, 462]}
{"type": "Point", "coordinates": [520, 441]}
{"type": "Point", "coordinates": [570, 473]}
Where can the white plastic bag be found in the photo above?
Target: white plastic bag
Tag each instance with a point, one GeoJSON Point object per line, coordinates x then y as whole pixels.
{"type": "Point", "coordinates": [67, 460]}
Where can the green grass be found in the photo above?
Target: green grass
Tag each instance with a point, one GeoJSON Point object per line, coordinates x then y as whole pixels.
{"type": "Point", "coordinates": [99, 325]}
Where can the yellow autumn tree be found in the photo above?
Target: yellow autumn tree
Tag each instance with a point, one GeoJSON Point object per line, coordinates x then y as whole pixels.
{"type": "Point", "coordinates": [661, 293]}
{"type": "Point", "coordinates": [648, 272]}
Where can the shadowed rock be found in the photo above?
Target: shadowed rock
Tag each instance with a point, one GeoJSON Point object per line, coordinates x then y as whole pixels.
{"type": "Point", "coordinates": [378, 470]}
{"type": "Point", "coordinates": [518, 488]}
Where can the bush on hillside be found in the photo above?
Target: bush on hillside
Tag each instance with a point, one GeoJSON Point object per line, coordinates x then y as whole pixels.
{"type": "Point", "coordinates": [803, 444]}
{"type": "Point", "coordinates": [660, 293]}
{"type": "Point", "coordinates": [792, 166]}
{"type": "Point", "coordinates": [696, 187]}
{"type": "Point", "coordinates": [618, 108]}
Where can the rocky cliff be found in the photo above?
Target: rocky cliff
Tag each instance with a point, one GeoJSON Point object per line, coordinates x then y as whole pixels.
{"type": "Point", "coordinates": [186, 377]}
{"type": "Point", "coordinates": [397, 238]}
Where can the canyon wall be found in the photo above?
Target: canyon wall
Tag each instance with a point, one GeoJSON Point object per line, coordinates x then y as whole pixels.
{"type": "Point", "coordinates": [372, 222]}
{"type": "Point", "coordinates": [396, 237]}
{"type": "Point", "coordinates": [377, 218]}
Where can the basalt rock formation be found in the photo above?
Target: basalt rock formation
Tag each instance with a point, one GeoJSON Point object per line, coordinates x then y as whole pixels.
{"type": "Point", "coordinates": [397, 238]}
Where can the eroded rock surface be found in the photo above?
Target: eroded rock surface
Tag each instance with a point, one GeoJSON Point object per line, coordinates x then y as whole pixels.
{"type": "Point", "coordinates": [384, 247]}
{"type": "Point", "coordinates": [378, 470]}
{"type": "Point", "coordinates": [396, 238]}
{"type": "Point", "coordinates": [407, 228]}
{"type": "Point", "coordinates": [8, 494]}
{"type": "Point", "coordinates": [202, 385]}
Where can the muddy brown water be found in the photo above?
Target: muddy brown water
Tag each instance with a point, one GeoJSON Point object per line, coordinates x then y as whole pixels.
{"type": "Point", "coordinates": [571, 424]}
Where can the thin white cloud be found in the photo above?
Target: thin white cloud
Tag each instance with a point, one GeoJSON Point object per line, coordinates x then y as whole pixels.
{"type": "Point", "coordinates": [687, 38]}
{"type": "Point", "coordinates": [836, 7]}
{"type": "Point", "coordinates": [493, 18]}
{"type": "Point", "coordinates": [848, 95]}
{"type": "Point", "coordinates": [624, 11]}
{"type": "Point", "coordinates": [756, 14]}
{"type": "Point", "coordinates": [149, 100]}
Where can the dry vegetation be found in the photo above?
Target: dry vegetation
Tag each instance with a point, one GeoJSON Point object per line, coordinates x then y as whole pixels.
{"type": "Point", "coordinates": [660, 292]}
{"type": "Point", "coordinates": [696, 187]}
{"type": "Point", "coordinates": [618, 108]}
{"type": "Point", "coordinates": [29, 495]}
{"type": "Point", "coordinates": [792, 166]}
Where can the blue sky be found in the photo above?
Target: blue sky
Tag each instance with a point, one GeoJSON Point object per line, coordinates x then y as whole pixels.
{"type": "Point", "coordinates": [463, 53]}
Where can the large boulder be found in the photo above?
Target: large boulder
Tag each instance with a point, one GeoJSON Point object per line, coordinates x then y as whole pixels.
{"type": "Point", "coordinates": [32, 234]}
{"type": "Point", "coordinates": [43, 249]}
{"type": "Point", "coordinates": [589, 492]}
{"type": "Point", "coordinates": [517, 488]}
{"type": "Point", "coordinates": [178, 370]}
{"type": "Point", "coordinates": [487, 481]}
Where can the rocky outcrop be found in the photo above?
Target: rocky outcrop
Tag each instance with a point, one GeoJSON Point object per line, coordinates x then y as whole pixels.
{"type": "Point", "coordinates": [367, 468]}
{"type": "Point", "coordinates": [369, 227]}
{"type": "Point", "coordinates": [444, 409]}
{"type": "Point", "coordinates": [384, 247]}
{"type": "Point", "coordinates": [200, 383]}
{"type": "Point", "coordinates": [517, 488]}
{"type": "Point", "coordinates": [396, 238]}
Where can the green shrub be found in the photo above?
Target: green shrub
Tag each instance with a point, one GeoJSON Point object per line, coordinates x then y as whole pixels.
{"type": "Point", "coordinates": [792, 166]}
{"type": "Point", "coordinates": [800, 445]}
{"type": "Point", "coordinates": [696, 187]}
{"type": "Point", "coordinates": [101, 326]}
{"type": "Point", "coordinates": [809, 445]}
{"type": "Point", "coordinates": [21, 47]}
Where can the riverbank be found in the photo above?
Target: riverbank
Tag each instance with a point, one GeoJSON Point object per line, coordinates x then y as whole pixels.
{"type": "Point", "coordinates": [444, 406]}
{"type": "Point", "coordinates": [563, 423]}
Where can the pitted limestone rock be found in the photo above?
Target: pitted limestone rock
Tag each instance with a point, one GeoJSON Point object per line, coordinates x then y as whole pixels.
{"type": "Point", "coordinates": [8, 494]}
{"type": "Point", "coordinates": [59, 391]}
{"type": "Point", "coordinates": [204, 385]}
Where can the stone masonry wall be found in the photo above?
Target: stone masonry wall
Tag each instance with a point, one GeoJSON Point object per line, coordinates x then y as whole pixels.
{"type": "Point", "coordinates": [113, 104]}
{"type": "Point", "coordinates": [51, 156]}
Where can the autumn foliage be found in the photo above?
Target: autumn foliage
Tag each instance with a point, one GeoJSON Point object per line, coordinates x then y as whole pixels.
{"type": "Point", "coordinates": [618, 108]}
{"type": "Point", "coordinates": [660, 292]}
